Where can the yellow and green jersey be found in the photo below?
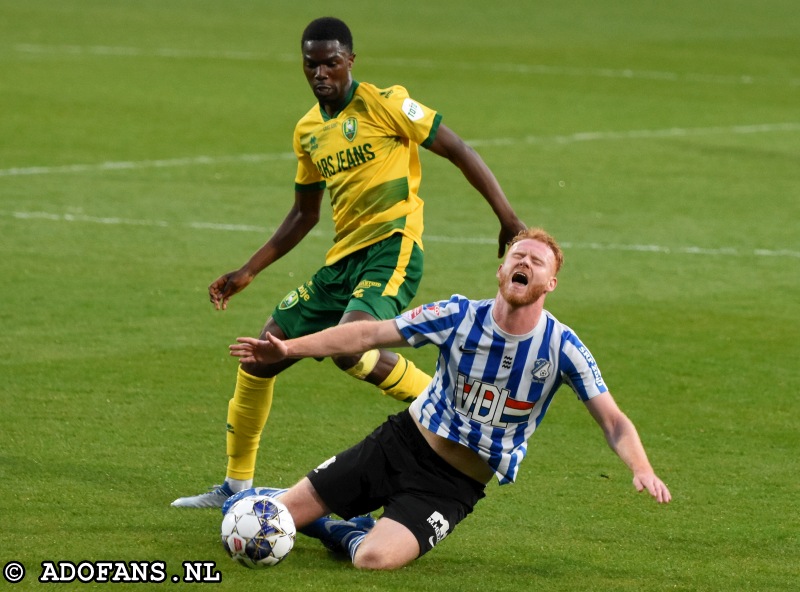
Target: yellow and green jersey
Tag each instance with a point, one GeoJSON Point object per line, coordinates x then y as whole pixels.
{"type": "Point", "coordinates": [367, 155]}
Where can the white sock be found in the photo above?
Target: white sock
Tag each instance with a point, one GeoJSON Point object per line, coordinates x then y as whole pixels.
{"type": "Point", "coordinates": [238, 485]}
{"type": "Point", "coordinates": [352, 542]}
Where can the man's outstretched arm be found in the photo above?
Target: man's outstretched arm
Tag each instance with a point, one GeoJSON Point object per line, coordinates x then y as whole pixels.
{"type": "Point", "coordinates": [623, 439]}
{"type": "Point", "coordinates": [347, 338]}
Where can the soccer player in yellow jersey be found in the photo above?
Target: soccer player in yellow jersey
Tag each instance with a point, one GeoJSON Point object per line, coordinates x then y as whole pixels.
{"type": "Point", "coordinates": [362, 144]}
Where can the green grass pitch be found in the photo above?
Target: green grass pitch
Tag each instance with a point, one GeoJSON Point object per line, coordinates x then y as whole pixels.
{"type": "Point", "coordinates": [145, 149]}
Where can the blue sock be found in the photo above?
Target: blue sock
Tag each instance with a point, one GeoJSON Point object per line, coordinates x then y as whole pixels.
{"type": "Point", "coordinates": [340, 535]}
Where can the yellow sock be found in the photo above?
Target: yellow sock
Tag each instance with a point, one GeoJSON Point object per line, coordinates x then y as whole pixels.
{"type": "Point", "coordinates": [365, 364]}
{"type": "Point", "coordinates": [405, 382]}
{"type": "Point", "coordinates": [247, 414]}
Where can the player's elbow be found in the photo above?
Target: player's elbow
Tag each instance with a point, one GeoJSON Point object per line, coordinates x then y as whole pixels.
{"type": "Point", "coordinates": [614, 425]}
{"type": "Point", "coordinates": [310, 219]}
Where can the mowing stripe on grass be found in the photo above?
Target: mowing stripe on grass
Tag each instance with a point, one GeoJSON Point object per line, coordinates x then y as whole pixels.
{"type": "Point", "coordinates": [534, 69]}
{"type": "Point", "coordinates": [658, 249]}
{"type": "Point", "coordinates": [673, 132]}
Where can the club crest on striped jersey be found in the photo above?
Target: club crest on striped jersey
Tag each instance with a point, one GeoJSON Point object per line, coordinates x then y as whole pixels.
{"type": "Point", "coordinates": [541, 370]}
{"type": "Point", "coordinates": [350, 128]}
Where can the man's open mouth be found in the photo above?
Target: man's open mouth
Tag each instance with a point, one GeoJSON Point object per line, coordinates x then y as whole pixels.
{"type": "Point", "coordinates": [519, 278]}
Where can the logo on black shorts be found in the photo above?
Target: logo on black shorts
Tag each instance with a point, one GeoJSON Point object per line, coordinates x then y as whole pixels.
{"type": "Point", "coordinates": [440, 526]}
{"type": "Point", "coordinates": [326, 464]}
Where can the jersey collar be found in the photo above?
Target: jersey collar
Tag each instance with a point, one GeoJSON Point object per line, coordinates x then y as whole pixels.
{"type": "Point", "coordinates": [540, 326]}
{"type": "Point", "coordinates": [326, 117]}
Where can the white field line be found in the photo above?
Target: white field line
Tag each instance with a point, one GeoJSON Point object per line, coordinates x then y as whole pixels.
{"type": "Point", "coordinates": [530, 69]}
{"type": "Point", "coordinates": [145, 164]}
{"type": "Point", "coordinates": [265, 231]}
{"type": "Point", "coordinates": [674, 132]}
{"type": "Point", "coordinates": [118, 51]}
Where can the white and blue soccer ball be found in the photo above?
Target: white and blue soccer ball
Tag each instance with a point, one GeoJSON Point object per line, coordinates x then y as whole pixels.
{"type": "Point", "coordinates": [258, 531]}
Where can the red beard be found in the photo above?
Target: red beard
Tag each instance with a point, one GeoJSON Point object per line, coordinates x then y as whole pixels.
{"type": "Point", "coordinates": [532, 293]}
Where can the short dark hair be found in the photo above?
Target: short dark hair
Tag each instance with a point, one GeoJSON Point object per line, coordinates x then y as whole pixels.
{"type": "Point", "coordinates": [328, 28]}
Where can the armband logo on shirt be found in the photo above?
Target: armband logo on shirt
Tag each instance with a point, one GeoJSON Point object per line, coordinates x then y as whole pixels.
{"type": "Point", "coordinates": [598, 378]}
{"type": "Point", "coordinates": [413, 110]}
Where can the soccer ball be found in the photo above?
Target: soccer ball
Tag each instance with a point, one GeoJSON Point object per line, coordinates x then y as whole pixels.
{"type": "Point", "coordinates": [258, 531]}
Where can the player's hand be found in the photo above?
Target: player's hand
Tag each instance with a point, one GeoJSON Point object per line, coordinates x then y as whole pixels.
{"type": "Point", "coordinates": [507, 232]}
{"type": "Point", "coordinates": [257, 351]}
{"type": "Point", "coordinates": [225, 286]}
{"type": "Point", "coordinates": [654, 486]}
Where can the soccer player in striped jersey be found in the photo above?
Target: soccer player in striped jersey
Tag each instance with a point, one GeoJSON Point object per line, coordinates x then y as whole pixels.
{"type": "Point", "coordinates": [500, 363]}
{"type": "Point", "coordinates": [361, 143]}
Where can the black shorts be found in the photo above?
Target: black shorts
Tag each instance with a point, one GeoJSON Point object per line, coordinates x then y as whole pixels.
{"type": "Point", "coordinates": [395, 468]}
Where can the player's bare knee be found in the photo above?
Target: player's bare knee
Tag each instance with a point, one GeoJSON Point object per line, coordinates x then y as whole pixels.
{"type": "Point", "coordinates": [346, 362]}
{"type": "Point", "coordinates": [360, 366]}
{"type": "Point", "coordinates": [371, 557]}
{"type": "Point", "coordinates": [259, 370]}
{"type": "Point", "coordinates": [304, 503]}
{"type": "Point", "coordinates": [385, 550]}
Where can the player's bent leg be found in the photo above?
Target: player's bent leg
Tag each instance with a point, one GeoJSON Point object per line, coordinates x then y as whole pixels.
{"type": "Point", "coordinates": [389, 545]}
{"type": "Point", "coordinates": [309, 530]}
{"type": "Point", "coordinates": [247, 414]}
{"type": "Point", "coordinates": [304, 503]}
{"type": "Point", "coordinates": [340, 536]}
{"type": "Point", "coordinates": [396, 376]}
{"type": "Point", "coordinates": [269, 370]}
{"type": "Point", "coordinates": [248, 411]}
{"type": "Point", "coordinates": [359, 367]}
{"type": "Point", "coordinates": [405, 382]}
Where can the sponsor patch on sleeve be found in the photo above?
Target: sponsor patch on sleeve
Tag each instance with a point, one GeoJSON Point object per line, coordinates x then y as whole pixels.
{"type": "Point", "coordinates": [413, 110]}
{"type": "Point", "coordinates": [433, 308]}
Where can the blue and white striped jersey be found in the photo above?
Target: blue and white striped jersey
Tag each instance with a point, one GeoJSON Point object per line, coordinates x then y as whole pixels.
{"type": "Point", "coordinates": [491, 389]}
